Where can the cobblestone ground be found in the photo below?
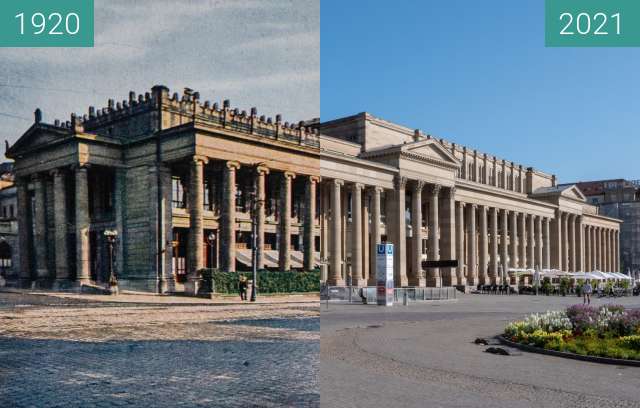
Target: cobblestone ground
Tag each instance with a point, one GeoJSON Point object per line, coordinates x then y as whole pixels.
{"type": "Point", "coordinates": [57, 352]}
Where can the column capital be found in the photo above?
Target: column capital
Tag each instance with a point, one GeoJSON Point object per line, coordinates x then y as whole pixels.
{"type": "Point", "coordinates": [230, 164]}
{"type": "Point", "coordinates": [337, 182]}
{"type": "Point", "coordinates": [434, 189]}
{"type": "Point", "coordinates": [197, 158]}
{"type": "Point", "coordinates": [58, 171]}
{"type": "Point", "coordinates": [400, 182]}
{"type": "Point", "coordinates": [418, 185]}
{"type": "Point", "coordinates": [314, 179]}
{"type": "Point", "coordinates": [80, 166]}
{"type": "Point", "coordinates": [289, 174]}
{"type": "Point", "coordinates": [357, 186]}
{"type": "Point", "coordinates": [36, 177]}
{"type": "Point", "coordinates": [374, 189]}
{"type": "Point", "coordinates": [449, 192]}
{"type": "Point", "coordinates": [262, 169]}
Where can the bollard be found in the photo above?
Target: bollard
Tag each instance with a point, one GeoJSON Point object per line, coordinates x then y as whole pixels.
{"type": "Point", "coordinates": [405, 300]}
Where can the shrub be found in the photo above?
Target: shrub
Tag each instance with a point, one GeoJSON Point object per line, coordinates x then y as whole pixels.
{"type": "Point", "coordinates": [583, 317]}
{"type": "Point", "coordinates": [633, 342]}
{"type": "Point", "coordinates": [268, 281]}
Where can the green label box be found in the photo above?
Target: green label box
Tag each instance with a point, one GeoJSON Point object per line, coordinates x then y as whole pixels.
{"type": "Point", "coordinates": [46, 23]}
{"type": "Point", "coordinates": [592, 23]}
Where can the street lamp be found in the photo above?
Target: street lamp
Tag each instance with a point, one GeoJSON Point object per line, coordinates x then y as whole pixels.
{"type": "Point", "coordinates": [255, 205]}
{"type": "Point", "coordinates": [211, 240]}
{"type": "Point", "coordinates": [111, 236]}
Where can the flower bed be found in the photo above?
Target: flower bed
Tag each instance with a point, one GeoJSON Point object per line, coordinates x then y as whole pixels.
{"type": "Point", "coordinates": [608, 331]}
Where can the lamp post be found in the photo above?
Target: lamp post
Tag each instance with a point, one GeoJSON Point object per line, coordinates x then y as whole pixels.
{"type": "Point", "coordinates": [255, 205]}
{"type": "Point", "coordinates": [111, 236]}
{"type": "Point", "coordinates": [211, 240]}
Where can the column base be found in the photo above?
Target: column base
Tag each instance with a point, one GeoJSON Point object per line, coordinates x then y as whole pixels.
{"type": "Point", "coordinates": [462, 281]}
{"type": "Point", "coordinates": [449, 278]}
{"type": "Point", "coordinates": [335, 282]}
{"type": "Point", "coordinates": [418, 282]}
{"type": "Point", "coordinates": [359, 283]}
{"type": "Point", "coordinates": [434, 282]}
{"type": "Point", "coordinates": [372, 281]}
{"type": "Point", "coordinates": [64, 284]}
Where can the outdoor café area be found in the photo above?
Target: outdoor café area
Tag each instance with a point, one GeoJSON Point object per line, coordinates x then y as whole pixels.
{"type": "Point", "coordinates": [556, 282]}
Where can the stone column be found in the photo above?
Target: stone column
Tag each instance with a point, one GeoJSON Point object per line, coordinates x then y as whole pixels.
{"type": "Point", "coordinates": [579, 266]}
{"type": "Point", "coordinates": [539, 243]}
{"type": "Point", "coordinates": [284, 250]}
{"type": "Point", "coordinates": [433, 274]}
{"type": "Point", "coordinates": [82, 224]}
{"type": "Point", "coordinates": [417, 276]}
{"type": "Point", "coordinates": [504, 241]}
{"type": "Point", "coordinates": [594, 248]}
{"type": "Point", "coordinates": [460, 273]}
{"type": "Point", "coordinates": [60, 221]}
{"type": "Point", "coordinates": [40, 237]}
{"type": "Point", "coordinates": [228, 218]}
{"type": "Point", "coordinates": [513, 237]}
{"type": "Point", "coordinates": [356, 235]}
{"type": "Point", "coordinates": [196, 211]}
{"type": "Point", "coordinates": [565, 242]}
{"type": "Point", "coordinates": [571, 223]}
{"type": "Point", "coordinates": [376, 234]}
{"type": "Point", "coordinates": [556, 241]}
{"type": "Point", "coordinates": [448, 234]}
{"type": "Point", "coordinates": [598, 242]}
{"type": "Point", "coordinates": [483, 249]}
{"type": "Point", "coordinates": [365, 237]}
{"type": "Point", "coordinates": [472, 246]}
{"type": "Point", "coordinates": [325, 193]}
{"type": "Point", "coordinates": [522, 259]}
{"type": "Point", "coordinates": [587, 248]}
{"type": "Point", "coordinates": [399, 232]}
{"type": "Point", "coordinates": [607, 251]}
{"type": "Point", "coordinates": [616, 253]}
{"type": "Point", "coordinates": [531, 242]}
{"type": "Point", "coordinates": [261, 179]}
{"type": "Point", "coordinates": [335, 257]}
{"type": "Point", "coordinates": [547, 244]}
{"type": "Point", "coordinates": [493, 269]}
{"type": "Point", "coordinates": [308, 241]}
{"type": "Point", "coordinates": [24, 227]}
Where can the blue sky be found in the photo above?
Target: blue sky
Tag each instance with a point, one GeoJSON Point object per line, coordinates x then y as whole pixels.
{"type": "Point", "coordinates": [477, 73]}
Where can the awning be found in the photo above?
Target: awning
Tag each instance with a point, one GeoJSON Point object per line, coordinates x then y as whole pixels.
{"type": "Point", "coordinates": [271, 258]}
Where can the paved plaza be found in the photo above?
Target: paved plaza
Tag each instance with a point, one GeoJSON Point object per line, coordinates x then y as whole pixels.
{"type": "Point", "coordinates": [423, 356]}
{"type": "Point", "coordinates": [71, 351]}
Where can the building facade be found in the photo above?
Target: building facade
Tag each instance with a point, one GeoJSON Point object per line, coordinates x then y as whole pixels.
{"type": "Point", "coordinates": [436, 200]}
{"type": "Point", "coordinates": [177, 179]}
{"type": "Point", "coordinates": [620, 199]}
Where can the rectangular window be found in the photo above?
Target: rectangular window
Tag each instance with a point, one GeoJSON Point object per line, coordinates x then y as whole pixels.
{"type": "Point", "coordinates": [177, 193]}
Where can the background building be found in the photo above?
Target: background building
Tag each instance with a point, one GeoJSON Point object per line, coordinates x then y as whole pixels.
{"type": "Point", "coordinates": [620, 199]}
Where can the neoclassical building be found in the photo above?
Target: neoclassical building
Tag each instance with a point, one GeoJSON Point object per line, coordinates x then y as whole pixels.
{"type": "Point", "coordinates": [175, 178]}
{"type": "Point", "coordinates": [437, 200]}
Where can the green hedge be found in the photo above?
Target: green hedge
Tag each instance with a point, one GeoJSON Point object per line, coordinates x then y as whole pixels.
{"type": "Point", "coordinates": [268, 281]}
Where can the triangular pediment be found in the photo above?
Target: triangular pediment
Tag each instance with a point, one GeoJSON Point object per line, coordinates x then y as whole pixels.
{"type": "Point", "coordinates": [430, 148]}
{"type": "Point", "coordinates": [37, 136]}
{"type": "Point", "coordinates": [569, 191]}
{"type": "Point", "coordinates": [573, 192]}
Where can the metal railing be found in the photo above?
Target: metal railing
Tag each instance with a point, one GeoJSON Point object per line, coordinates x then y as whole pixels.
{"type": "Point", "coordinates": [353, 294]}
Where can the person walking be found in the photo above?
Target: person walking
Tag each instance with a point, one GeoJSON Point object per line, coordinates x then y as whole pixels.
{"type": "Point", "coordinates": [587, 289]}
{"type": "Point", "coordinates": [242, 287]}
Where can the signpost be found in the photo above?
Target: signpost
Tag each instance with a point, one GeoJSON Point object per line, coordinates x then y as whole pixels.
{"type": "Point", "coordinates": [384, 274]}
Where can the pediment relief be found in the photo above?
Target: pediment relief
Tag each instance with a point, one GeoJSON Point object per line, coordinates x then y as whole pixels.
{"type": "Point", "coordinates": [431, 149]}
{"type": "Point", "coordinates": [427, 151]}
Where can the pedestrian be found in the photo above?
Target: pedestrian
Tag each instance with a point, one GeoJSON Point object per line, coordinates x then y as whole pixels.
{"type": "Point", "coordinates": [587, 289]}
{"type": "Point", "coordinates": [242, 287]}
